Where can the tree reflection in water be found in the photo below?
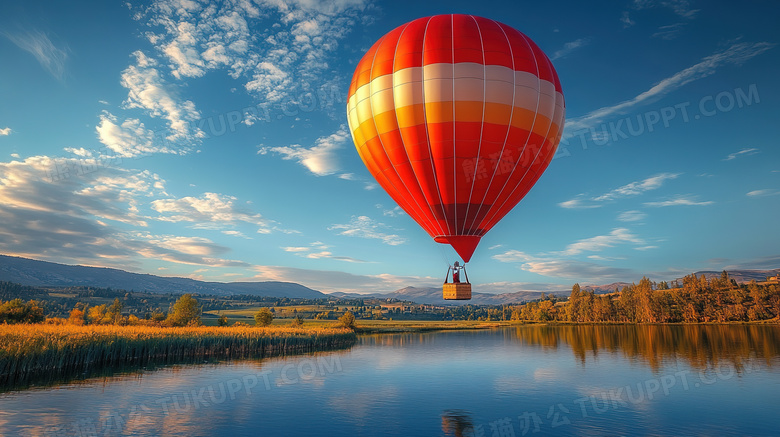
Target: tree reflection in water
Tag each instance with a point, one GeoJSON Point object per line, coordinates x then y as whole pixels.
{"type": "Point", "coordinates": [701, 346]}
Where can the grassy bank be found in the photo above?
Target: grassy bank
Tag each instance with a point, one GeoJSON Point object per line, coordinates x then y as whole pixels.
{"type": "Point", "coordinates": [30, 351]}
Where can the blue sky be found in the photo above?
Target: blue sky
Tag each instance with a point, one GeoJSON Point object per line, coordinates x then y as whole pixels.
{"type": "Point", "coordinates": [209, 141]}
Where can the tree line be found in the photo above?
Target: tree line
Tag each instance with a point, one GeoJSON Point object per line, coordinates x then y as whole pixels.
{"type": "Point", "coordinates": [698, 300]}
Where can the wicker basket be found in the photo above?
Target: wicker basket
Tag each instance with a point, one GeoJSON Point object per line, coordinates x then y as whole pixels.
{"type": "Point", "coordinates": [456, 291]}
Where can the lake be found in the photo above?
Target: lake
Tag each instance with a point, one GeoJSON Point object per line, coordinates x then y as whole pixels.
{"type": "Point", "coordinates": [528, 380]}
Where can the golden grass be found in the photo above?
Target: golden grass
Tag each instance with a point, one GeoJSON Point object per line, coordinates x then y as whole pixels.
{"type": "Point", "coordinates": [39, 349]}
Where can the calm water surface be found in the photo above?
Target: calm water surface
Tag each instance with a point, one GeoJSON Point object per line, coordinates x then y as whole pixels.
{"type": "Point", "coordinates": [570, 380]}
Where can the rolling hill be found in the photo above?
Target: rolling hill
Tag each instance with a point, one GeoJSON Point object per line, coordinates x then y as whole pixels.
{"type": "Point", "coordinates": [41, 273]}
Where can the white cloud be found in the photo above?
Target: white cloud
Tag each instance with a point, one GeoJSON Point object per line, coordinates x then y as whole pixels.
{"type": "Point", "coordinates": [578, 203]}
{"type": "Point", "coordinates": [762, 193]}
{"type": "Point", "coordinates": [637, 188]}
{"type": "Point", "coordinates": [52, 209]}
{"type": "Point", "coordinates": [669, 32]}
{"type": "Point", "coordinates": [606, 258]}
{"type": "Point", "coordinates": [209, 208]}
{"type": "Point", "coordinates": [601, 242]}
{"type": "Point", "coordinates": [393, 212]}
{"type": "Point", "coordinates": [628, 190]}
{"type": "Point", "coordinates": [680, 7]}
{"type": "Point", "coordinates": [643, 248]}
{"type": "Point", "coordinates": [15, 155]}
{"type": "Point", "coordinates": [282, 62]}
{"type": "Point", "coordinates": [365, 227]}
{"type": "Point", "coordinates": [82, 152]}
{"type": "Point", "coordinates": [37, 43]}
{"type": "Point", "coordinates": [631, 216]}
{"type": "Point", "coordinates": [579, 270]}
{"type": "Point", "coordinates": [625, 18]}
{"type": "Point", "coordinates": [736, 54]}
{"type": "Point", "coordinates": [5, 132]}
{"type": "Point", "coordinates": [330, 280]}
{"type": "Point", "coordinates": [128, 139]}
{"type": "Point", "coordinates": [317, 250]}
{"type": "Point", "coordinates": [550, 264]}
{"type": "Point", "coordinates": [296, 249]}
{"type": "Point", "coordinates": [235, 233]}
{"type": "Point", "coordinates": [679, 200]}
{"type": "Point", "coordinates": [512, 256]}
{"type": "Point", "coordinates": [148, 90]}
{"type": "Point", "coordinates": [182, 250]}
{"type": "Point", "coordinates": [322, 158]}
{"type": "Point", "coordinates": [743, 152]}
{"type": "Point", "coordinates": [570, 47]}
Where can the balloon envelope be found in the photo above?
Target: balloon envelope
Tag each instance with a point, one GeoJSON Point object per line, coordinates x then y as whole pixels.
{"type": "Point", "coordinates": [456, 117]}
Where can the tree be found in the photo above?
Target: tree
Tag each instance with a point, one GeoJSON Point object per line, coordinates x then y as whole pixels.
{"type": "Point", "coordinates": [264, 317]}
{"type": "Point", "coordinates": [184, 312]}
{"type": "Point", "coordinates": [645, 308]}
{"type": "Point", "coordinates": [222, 321]}
{"type": "Point", "coordinates": [297, 321]}
{"type": "Point", "coordinates": [77, 317]}
{"type": "Point", "coordinates": [96, 315]}
{"type": "Point", "coordinates": [114, 312]}
{"type": "Point", "coordinates": [17, 311]}
{"type": "Point", "coordinates": [347, 320]}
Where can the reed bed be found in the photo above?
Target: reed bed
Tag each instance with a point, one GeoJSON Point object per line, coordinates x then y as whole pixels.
{"type": "Point", "coordinates": [33, 351]}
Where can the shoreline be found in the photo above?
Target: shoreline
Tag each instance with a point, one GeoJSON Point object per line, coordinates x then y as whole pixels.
{"type": "Point", "coordinates": [33, 353]}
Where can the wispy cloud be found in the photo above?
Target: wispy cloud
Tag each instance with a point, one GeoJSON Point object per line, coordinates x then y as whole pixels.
{"type": "Point", "coordinates": [631, 216]}
{"type": "Point", "coordinates": [96, 218]}
{"type": "Point", "coordinates": [628, 190]}
{"type": "Point", "coordinates": [318, 250]}
{"type": "Point", "coordinates": [625, 19]}
{"type": "Point", "coordinates": [556, 264]}
{"type": "Point", "coordinates": [364, 227]}
{"type": "Point", "coordinates": [321, 159]}
{"type": "Point", "coordinates": [393, 212]}
{"type": "Point", "coordinates": [513, 256]}
{"type": "Point", "coordinates": [680, 7]}
{"type": "Point", "coordinates": [669, 32]}
{"type": "Point", "coordinates": [37, 43]}
{"type": "Point", "coordinates": [743, 152]}
{"type": "Point", "coordinates": [575, 269]}
{"type": "Point", "coordinates": [148, 90]}
{"type": "Point", "coordinates": [570, 47]}
{"type": "Point", "coordinates": [5, 132]}
{"type": "Point", "coordinates": [210, 208]}
{"type": "Point", "coordinates": [680, 200]}
{"type": "Point", "coordinates": [762, 193]}
{"type": "Point", "coordinates": [600, 242]}
{"type": "Point", "coordinates": [736, 54]}
{"type": "Point", "coordinates": [331, 280]}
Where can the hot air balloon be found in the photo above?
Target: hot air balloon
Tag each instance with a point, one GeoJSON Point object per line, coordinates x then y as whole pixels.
{"type": "Point", "coordinates": [456, 117]}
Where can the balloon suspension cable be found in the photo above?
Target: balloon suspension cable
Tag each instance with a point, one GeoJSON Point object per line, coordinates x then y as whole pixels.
{"type": "Point", "coordinates": [444, 254]}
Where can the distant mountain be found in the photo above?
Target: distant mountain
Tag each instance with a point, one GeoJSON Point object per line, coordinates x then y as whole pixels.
{"type": "Point", "coordinates": [41, 273]}
{"type": "Point", "coordinates": [741, 276]}
{"type": "Point", "coordinates": [432, 296]}
{"type": "Point", "coordinates": [603, 289]}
